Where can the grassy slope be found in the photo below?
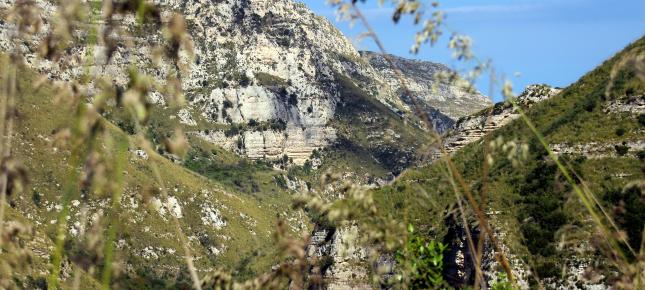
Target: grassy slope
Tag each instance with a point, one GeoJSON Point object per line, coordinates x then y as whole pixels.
{"type": "Point", "coordinates": [236, 185]}
{"type": "Point", "coordinates": [536, 207]}
{"type": "Point", "coordinates": [372, 140]}
{"type": "Point", "coordinates": [247, 242]}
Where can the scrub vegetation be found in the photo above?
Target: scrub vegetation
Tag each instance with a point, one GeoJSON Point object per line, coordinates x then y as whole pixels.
{"type": "Point", "coordinates": [92, 172]}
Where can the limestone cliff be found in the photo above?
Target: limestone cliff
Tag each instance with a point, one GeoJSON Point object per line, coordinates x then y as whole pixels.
{"type": "Point", "coordinates": [472, 128]}
{"type": "Point", "coordinates": [439, 98]}
{"type": "Point", "coordinates": [267, 62]}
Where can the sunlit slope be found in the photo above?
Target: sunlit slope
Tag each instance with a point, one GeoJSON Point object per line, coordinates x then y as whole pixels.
{"type": "Point", "coordinates": [601, 138]}
{"type": "Point", "coordinates": [227, 227]}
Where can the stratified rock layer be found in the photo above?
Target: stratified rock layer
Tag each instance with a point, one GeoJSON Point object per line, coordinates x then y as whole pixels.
{"type": "Point", "coordinates": [261, 61]}
{"type": "Point", "coordinates": [472, 128]}
{"type": "Point", "coordinates": [422, 79]}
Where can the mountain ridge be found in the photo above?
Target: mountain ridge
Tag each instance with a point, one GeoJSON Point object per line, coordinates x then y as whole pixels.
{"type": "Point", "coordinates": [277, 101]}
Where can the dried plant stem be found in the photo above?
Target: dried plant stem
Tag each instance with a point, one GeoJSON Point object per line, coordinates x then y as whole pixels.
{"type": "Point", "coordinates": [188, 257]}
{"type": "Point", "coordinates": [484, 190]}
{"type": "Point", "coordinates": [501, 257]}
{"type": "Point", "coordinates": [177, 227]}
{"type": "Point", "coordinates": [479, 277]}
{"type": "Point", "coordinates": [70, 188]}
{"type": "Point", "coordinates": [117, 191]}
{"type": "Point", "coordinates": [71, 182]}
{"type": "Point", "coordinates": [455, 173]}
{"type": "Point", "coordinates": [582, 195]}
{"type": "Point", "coordinates": [7, 131]}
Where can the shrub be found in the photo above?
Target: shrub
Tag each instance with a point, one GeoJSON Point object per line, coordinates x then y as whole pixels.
{"type": "Point", "coordinates": [293, 99]}
{"type": "Point", "coordinates": [278, 125]}
{"type": "Point", "coordinates": [240, 143]}
{"type": "Point", "coordinates": [620, 131]}
{"type": "Point", "coordinates": [232, 131]}
{"type": "Point", "coordinates": [629, 215]}
{"type": "Point", "coordinates": [325, 263]}
{"type": "Point", "coordinates": [227, 104]}
{"type": "Point", "coordinates": [501, 282]}
{"type": "Point", "coordinates": [269, 80]}
{"type": "Point", "coordinates": [423, 261]}
{"type": "Point", "coordinates": [307, 167]}
{"type": "Point", "coordinates": [280, 181]}
{"type": "Point", "coordinates": [641, 155]}
{"type": "Point", "coordinates": [622, 149]}
{"type": "Point", "coordinates": [36, 197]}
{"type": "Point", "coordinates": [589, 105]}
{"type": "Point", "coordinates": [244, 80]}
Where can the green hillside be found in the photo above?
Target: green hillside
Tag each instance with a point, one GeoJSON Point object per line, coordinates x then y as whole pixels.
{"type": "Point", "coordinates": [248, 196]}
{"type": "Point", "coordinates": [244, 242]}
{"type": "Point", "coordinates": [543, 221]}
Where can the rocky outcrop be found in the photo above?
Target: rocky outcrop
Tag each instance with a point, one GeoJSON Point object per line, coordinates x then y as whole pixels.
{"type": "Point", "coordinates": [439, 98]}
{"type": "Point", "coordinates": [262, 61]}
{"type": "Point", "coordinates": [629, 104]}
{"type": "Point", "coordinates": [595, 150]}
{"type": "Point", "coordinates": [342, 259]}
{"type": "Point", "coordinates": [472, 128]}
{"type": "Point", "coordinates": [459, 264]}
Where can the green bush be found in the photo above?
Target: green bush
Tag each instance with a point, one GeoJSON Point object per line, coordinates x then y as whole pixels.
{"type": "Point", "coordinates": [244, 80]}
{"type": "Point", "coordinates": [280, 181]}
{"type": "Point", "coordinates": [36, 197]}
{"type": "Point", "coordinates": [501, 282]}
{"type": "Point", "coordinates": [232, 131]}
{"type": "Point", "coordinates": [227, 104]}
{"type": "Point", "coordinates": [629, 212]}
{"type": "Point", "coordinates": [278, 125]}
{"type": "Point", "coordinates": [621, 149]}
{"type": "Point", "coordinates": [641, 155]}
{"type": "Point", "coordinates": [269, 80]}
{"type": "Point", "coordinates": [620, 132]}
{"type": "Point", "coordinates": [422, 261]}
{"type": "Point", "coordinates": [590, 104]}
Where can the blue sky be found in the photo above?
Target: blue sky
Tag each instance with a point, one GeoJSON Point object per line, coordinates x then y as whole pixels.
{"type": "Point", "coordinates": [550, 41]}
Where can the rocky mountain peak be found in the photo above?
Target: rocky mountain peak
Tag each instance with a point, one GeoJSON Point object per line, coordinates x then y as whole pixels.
{"type": "Point", "coordinates": [422, 80]}
{"type": "Point", "coordinates": [472, 128]}
{"type": "Point", "coordinates": [266, 80]}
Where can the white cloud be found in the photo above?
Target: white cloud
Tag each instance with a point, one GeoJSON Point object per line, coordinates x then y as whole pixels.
{"type": "Point", "coordinates": [493, 8]}
{"type": "Point", "coordinates": [377, 12]}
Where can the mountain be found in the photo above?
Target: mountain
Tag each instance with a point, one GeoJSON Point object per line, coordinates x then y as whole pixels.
{"type": "Point", "coordinates": [473, 127]}
{"type": "Point", "coordinates": [277, 100]}
{"type": "Point", "coordinates": [276, 96]}
{"type": "Point", "coordinates": [266, 78]}
{"type": "Point", "coordinates": [438, 96]}
{"type": "Point", "coordinates": [595, 126]}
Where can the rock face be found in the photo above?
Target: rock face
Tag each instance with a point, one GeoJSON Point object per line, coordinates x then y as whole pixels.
{"type": "Point", "coordinates": [441, 99]}
{"type": "Point", "coordinates": [472, 128]}
{"type": "Point", "coordinates": [344, 262]}
{"type": "Point", "coordinates": [271, 79]}
{"type": "Point", "coordinates": [630, 104]}
{"type": "Point", "coordinates": [595, 150]}
{"type": "Point", "coordinates": [267, 62]}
